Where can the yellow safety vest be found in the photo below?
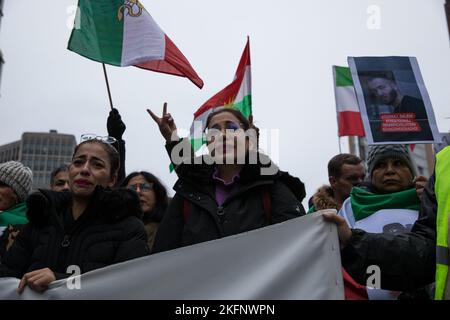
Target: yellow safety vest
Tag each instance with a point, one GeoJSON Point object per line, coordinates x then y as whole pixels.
{"type": "Point", "coordinates": [442, 191]}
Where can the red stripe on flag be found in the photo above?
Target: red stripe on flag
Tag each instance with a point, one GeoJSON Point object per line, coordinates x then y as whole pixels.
{"type": "Point", "coordinates": [174, 63]}
{"type": "Point", "coordinates": [229, 93]}
{"type": "Point", "coordinates": [352, 289]}
{"type": "Point", "coordinates": [350, 124]}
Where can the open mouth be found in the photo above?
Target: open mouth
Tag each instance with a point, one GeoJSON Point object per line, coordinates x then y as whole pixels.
{"type": "Point", "coordinates": [82, 183]}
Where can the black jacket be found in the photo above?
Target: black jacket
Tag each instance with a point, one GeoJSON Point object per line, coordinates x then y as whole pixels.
{"type": "Point", "coordinates": [108, 232]}
{"type": "Point", "coordinates": [407, 261]}
{"type": "Point", "coordinates": [242, 211]}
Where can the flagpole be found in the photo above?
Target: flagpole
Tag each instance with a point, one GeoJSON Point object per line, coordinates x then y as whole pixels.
{"type": "Point", "coordinates": [339, 142]}
{"type": "Point", "coordinates": [107, 85]}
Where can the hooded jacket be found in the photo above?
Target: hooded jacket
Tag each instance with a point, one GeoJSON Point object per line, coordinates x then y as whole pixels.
{"type": "Point", "coordinates": [109, 231]}
{"type": "Point", "coordinates": [323, 199]}
{"type": "Point", "coordinates": [242, 211]}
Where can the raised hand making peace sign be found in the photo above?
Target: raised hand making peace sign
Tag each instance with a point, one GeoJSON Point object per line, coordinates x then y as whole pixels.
{"type": "Point", "coordinates": [166, 124]}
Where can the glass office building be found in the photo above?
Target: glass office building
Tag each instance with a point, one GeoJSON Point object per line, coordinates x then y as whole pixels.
{"type": "Point", "coordinates": [42, 152]}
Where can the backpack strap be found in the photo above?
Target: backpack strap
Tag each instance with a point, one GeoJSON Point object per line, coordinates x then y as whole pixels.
{"type": "Point", "coordinates": [267, 204]}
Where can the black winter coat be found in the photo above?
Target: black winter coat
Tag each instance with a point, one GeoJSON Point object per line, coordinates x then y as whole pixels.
{"type": "Point", "coordinates": [242, 211]}
{"type": "Point", "coordinates": [109, 231]}
{"type": "Point", "coordinates": [407, 261]}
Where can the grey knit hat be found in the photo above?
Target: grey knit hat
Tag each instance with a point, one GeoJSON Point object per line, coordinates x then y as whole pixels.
{"type": "Point", "coordinates": [378, 153]}
{"type": "Point", "coordinates": [18, 177]}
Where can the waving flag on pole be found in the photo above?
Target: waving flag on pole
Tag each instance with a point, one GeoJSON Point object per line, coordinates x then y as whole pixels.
{"type": "Point", "coordinates": [349, 117]}
{"type": "Point", "coordinates": [237, 95]}
{"type": "Point", "coordinates": [122, 33]}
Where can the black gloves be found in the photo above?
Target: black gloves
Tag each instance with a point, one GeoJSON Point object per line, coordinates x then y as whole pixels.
{"type": "Point", "coordinates": [115, 125]}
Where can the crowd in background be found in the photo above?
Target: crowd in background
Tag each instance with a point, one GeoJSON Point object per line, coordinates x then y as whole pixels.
{"type": "Point", "coordinates": [94, 214]}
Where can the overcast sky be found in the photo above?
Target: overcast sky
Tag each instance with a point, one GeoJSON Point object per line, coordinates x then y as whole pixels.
{"type": "Point", "coordinates": [293, 46]}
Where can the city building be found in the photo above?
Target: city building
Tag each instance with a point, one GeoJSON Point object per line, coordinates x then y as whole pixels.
{"type": "Point", "coordinates": [1, 54]}
{"type": "Point", "coordinates": [42, 152]}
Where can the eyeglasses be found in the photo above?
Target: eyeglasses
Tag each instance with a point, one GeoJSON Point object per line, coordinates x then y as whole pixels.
{"type": "Point", "coordinates": [229, 126]}
{"type": "Point", "coordinates": [141, 186]}
{"type": "Point", "coordinates": [92, 136]}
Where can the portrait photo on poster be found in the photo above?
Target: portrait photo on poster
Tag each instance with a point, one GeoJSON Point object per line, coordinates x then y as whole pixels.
{"type": "Point", "coordinates": [394, 103]}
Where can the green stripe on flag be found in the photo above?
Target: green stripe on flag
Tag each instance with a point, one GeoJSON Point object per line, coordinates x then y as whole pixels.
{"type": "Point", "coordinates": [365, 203]}
{"type": "Point", "coordinates": [197, 143]}
{"type": "Point", "coordinates": [343, 77]}
{"type": "Point", "coordinates": [100, 34]}
{"type": "Point", "coordinates": [245, 106]}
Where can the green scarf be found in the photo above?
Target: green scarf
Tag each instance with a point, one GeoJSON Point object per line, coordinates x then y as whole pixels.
{"type": "Point", "coordinates": [14, 215]}
{"type": "Point", "coordinates": [365, 203]}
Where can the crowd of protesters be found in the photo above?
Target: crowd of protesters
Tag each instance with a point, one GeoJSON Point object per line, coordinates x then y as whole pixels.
{"type": "Point", "coordinates": [94, 215]}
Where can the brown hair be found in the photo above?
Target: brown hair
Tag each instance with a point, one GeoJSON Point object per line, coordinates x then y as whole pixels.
{"type": "Point", "coordinates": [243, 120]}
{"type": "Point", "coordinates": [336, 163]}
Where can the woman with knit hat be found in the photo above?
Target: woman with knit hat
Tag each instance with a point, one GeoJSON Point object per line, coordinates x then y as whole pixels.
{"type": "Point", "coordinates": [15, 184]}
{"type": "Point", "coordinates": [389, 202]}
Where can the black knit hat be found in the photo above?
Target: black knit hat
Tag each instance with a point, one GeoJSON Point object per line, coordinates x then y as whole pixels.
{"type": "Point", "coordinates": [378, 153]}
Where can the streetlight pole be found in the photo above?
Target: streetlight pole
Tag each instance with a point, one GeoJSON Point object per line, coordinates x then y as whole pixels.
{"type": "Point", "coordinates": [447, 11]}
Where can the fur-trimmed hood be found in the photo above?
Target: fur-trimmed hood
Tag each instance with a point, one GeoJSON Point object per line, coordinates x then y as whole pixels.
{"type": "Point", "coordinates": [323, 199]}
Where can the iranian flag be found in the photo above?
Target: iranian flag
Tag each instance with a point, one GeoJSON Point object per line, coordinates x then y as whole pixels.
{"type": "Point", "coordinates": [237, 95]}
{"type": "Point", "coordinates": [122, 33]}
{"type": "Point", "coordinates": [392, 213]}
{"type": "Point", "coordinates": [349, 117]}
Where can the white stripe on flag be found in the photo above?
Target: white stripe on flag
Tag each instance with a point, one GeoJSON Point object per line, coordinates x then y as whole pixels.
{"type": "Point", "coordinates": [246, 85]}
{"type": "Point", "coordinates": [143, 40]}
{"type": "Point", "coordinates": [346, 99]}
{"type": "Point", "coordinates": [197, 134]}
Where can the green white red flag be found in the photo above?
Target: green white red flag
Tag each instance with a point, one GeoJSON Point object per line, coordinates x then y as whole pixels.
{"type": "Point", "coordinates": [122, 33]}
{"type": "Point", "coordinates": [349, 117]}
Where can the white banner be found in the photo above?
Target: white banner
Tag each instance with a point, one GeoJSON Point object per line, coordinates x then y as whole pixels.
{"type": "Point", "coordinates": [296, 259]}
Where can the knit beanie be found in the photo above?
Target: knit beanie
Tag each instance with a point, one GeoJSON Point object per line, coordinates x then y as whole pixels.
{"type": "Point", "coordinates": [18, 177]}
{"type": "Point", "coordinates": [378, 153]}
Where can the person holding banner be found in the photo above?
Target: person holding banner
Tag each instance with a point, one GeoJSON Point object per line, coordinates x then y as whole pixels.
{"type": "Point", "coordinates": [389, 203]}
{"type": "Point", "coordinates": [406, 258]}
{"type": "Point", "coordinates": [88, 228]}
{"type": "Point", "coordinates": [224, 192]}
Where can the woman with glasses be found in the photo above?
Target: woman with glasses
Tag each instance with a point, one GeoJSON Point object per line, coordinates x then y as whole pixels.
{"type": "Point", "coordinates": [153, 199]}
{"type": "Point", "coordinates": [230, 190]}
{"type": "Point", "coordinates": [89, 227]}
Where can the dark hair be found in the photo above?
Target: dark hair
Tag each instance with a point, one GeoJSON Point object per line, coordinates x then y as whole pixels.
{"type": "Point", "coordinates": [243, 120]}
{"type": "Point", "coordinates": [158, 188]}
{"type": "Point", "coordinates": [61, 168]}
{"type": "Point", "coordinates": [371, 75]}
{"type": "Point", "coordinates": [336, 163]}
{"type": "Point", "coordinates": [113, 155]}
